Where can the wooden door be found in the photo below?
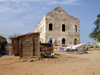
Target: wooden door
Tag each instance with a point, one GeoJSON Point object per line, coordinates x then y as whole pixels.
{"type": "Point", "coordinates": [35, 46]}
{"type": "Point", "coordinates": [26, 47]}
{"type": "Point", "coordinates": [75, 41]}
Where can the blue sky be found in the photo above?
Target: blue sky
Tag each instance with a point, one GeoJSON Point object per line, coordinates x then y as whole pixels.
{"type": "Point", "coordinates": [22, 16]}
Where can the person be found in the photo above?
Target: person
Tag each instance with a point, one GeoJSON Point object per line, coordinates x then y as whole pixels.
{"type": "Point", "coordinates": [42, 50]}
{"type": "Point", "coordinates": [87, 48]}
{"type": "Point", "coordinates": [53, 47]}
{"type": "Point", "coordinates": [49, 42]}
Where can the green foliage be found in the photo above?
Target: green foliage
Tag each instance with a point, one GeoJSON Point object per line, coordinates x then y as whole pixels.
{"type": "Point", "coordinates": [91, 46]}
{"type": "Point", "coordinates": [96, 31]}
{"type": "Point", "coordinates": [4, 42]}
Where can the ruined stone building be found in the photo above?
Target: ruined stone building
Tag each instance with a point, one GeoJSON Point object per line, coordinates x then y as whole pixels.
{"type": "Point", "coordinates": [60, 28]}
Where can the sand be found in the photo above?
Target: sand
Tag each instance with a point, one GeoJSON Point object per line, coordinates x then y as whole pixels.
{"type": "Point", "coordinates": [63, 64]}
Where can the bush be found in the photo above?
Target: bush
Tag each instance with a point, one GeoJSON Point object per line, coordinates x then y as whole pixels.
{"type": "Point", "coordinates": [91, 46]}
{"type": "Point", "coordinates": [4, 42]}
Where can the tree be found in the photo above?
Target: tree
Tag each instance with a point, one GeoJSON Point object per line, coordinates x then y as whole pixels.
{"type": "Point", "coordinates": [4, 42]}
{"type": "Point", "coordinates": [96, 31]}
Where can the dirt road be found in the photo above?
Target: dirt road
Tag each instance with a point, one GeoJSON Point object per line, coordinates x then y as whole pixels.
{"type": "Point", "coordinates": [63, 64]}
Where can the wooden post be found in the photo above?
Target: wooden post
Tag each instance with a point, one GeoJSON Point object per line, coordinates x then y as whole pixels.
{"type": "Point", "coordinates": [20, 50]}
{"type": "Point", "coordinates": [38, 48]}
{"type": "Point", "coordinates": [32, 46]}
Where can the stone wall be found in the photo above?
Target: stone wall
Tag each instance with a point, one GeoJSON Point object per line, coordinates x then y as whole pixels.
{"type": "Point", "coordinates": [58, 17]}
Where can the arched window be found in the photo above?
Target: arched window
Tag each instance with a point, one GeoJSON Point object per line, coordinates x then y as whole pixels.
{"type": "Point", "coordinates": [50, 27]}
{"type": "Point", "coordinates": [63, 27]}
{"type": "Point", "coordinates": [75, 28]}
{"type": "Point", "coordinates": [63, 41]}
{"type": "Point", "coordinates": [75, 41]}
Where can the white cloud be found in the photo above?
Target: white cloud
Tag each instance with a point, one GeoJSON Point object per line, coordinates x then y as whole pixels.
{"type": "Point", "coordinates": [67, 2]}
{"type": "Point", "coordinates": [5, 9]}
{"type": "Point", "coordinates": [21, 16]}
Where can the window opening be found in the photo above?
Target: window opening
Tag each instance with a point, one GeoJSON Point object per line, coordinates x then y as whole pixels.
{"type": "Point", "coordinates": [63, 27]}
{"type": "Point", "coordinates": [75, 28]}
{"type": "Point", "coordinates": [50, 26]}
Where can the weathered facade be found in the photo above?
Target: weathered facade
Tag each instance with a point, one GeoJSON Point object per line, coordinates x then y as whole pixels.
{"type": "Point", "coordinates": [59, 27]}
{"type": "Point", "coordinates": [26, 45]}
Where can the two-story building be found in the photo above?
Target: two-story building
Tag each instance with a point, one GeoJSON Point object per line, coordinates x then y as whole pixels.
{"type": "Point", "coordinates": [60, 28]}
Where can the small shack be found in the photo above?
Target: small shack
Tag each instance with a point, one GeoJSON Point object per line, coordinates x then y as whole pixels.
{"type": "Point", "coordinates": [26, 45]}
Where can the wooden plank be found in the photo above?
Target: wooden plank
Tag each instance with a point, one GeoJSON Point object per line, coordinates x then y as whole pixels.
{"type": "Point", "coordinates": [27, 47]}
{"type": "Point", "coordinates": [27, 54]}
{"type": "Point", "coordinates": [31, 41]}
{"type": "Point", "coordinates": [20, 51]}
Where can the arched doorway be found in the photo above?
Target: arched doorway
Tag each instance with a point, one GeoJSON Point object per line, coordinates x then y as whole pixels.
{"type": "Point", "coordinates": [75, 41]}
{"type": "Point", "coordinates": [50, 40]}
{"type": "Point", "coordinates": [63, 41]}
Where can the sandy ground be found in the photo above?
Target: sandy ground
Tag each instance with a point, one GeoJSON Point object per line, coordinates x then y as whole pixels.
{"type": "Point", "coordinates": [63, 64]}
